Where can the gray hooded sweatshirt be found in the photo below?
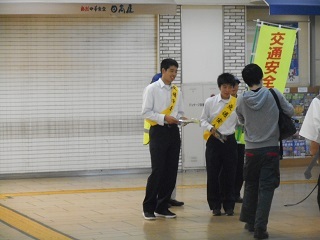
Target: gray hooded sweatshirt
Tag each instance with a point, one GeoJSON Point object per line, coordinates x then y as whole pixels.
{"type": "Point", "coordinates": [258, 112]}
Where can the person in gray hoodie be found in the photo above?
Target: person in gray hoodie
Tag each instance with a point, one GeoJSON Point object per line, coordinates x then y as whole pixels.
{"type": "Point", "coordinates": [258, 112]}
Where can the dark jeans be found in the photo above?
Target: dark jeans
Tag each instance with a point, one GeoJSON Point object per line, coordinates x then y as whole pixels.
{"type": "Point", "coordinates": [262, 176]}
{"type": "Point", "coordinates": [164, 150]}
{"type": "Point", "coordinates": [221, 156]}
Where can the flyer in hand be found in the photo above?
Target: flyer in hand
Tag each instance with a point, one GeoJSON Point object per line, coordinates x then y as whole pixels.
{"type": "Point", "coordinates": [187, 121]}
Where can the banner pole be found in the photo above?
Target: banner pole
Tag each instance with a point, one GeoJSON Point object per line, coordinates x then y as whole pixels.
{"type": "Point", "coordinates": [276, 25]}
{"type": "Point", "coordinates": [254, 41]}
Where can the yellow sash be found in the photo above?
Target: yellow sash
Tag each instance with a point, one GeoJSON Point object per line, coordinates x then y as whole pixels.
{"type": "Point", "coordinates": [148, 123]}
{"type": "Point", "coordinates": [222, 116]}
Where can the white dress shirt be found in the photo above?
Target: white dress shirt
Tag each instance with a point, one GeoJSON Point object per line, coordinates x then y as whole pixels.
{"type": "Point", "coordinates": [212, 108]}
{"type": "Point", "coordinates": [310, 128]}
{"type": "Point", "coordinates": [156, 98]}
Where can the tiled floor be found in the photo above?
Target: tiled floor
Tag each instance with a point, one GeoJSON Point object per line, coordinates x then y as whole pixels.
{"type": "Point", "coordinates": [109, 207]}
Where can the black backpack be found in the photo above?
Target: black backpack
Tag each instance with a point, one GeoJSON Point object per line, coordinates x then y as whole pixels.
{"type": "Point", "coordinates": [287, 125]}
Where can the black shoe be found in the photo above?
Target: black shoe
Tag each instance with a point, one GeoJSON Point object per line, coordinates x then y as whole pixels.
{"type": "Point", "coordinates": [175, 203]}
{"type": "Point", "coordinates": [165, 214]}
{"type": "Point", "coordinates": [216, 212]}
{"type": "Point", "coordinates": [229, 212]}
{"type": "Point", "coordinates": [169, 205]}
{"type": "Point", "coordinates": [239, 200]}
{"type": "Point", "coordinates": [249, 227]}
{"type": "Point", "coordinates": [149, 216]}
{"type": "Point", "coordinates": [260, 234]}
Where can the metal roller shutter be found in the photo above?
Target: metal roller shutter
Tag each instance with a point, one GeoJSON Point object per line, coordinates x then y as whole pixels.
{"type": "Point", "coordinates": [71, 92]}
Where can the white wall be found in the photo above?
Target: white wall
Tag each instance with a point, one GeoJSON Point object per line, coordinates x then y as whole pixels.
{"type": "Point", "coordinates": [202, 60]}
{"type": "Point", "coordinates": [202, 39]}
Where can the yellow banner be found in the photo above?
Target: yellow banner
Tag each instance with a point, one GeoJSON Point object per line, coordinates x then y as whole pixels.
{"type": "Point", "coordinates": [274, 53]}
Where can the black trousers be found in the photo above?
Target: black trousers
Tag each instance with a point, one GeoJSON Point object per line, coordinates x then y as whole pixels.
{"type": "Point", "coordinates": [239, 172]}
{"type": "Point", "coordinates": [318, 197]}
{"type": "Point", "coordinates": [221, 156]}
{"type": "Point", "coordinates": [164, 148]}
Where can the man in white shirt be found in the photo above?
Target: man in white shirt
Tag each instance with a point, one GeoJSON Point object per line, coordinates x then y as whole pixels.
{"type": "Point", "coordinates": [162, 107]}
{"type": "Point", "coordinates": [221, 154]}
{"type": "Point", "coordinates": [310, 129]}
{"type": "Point", "coordinates": [173, 201]}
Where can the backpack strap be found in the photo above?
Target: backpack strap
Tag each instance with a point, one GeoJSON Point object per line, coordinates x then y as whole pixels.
{"type": "Point", "coordinates": [276, 98]}
{"type": "Point", "coordinates": [280, 109]}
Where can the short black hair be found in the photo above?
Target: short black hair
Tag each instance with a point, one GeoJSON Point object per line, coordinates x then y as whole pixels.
{"type": "Point", "coordinates": [237, 80]}
{"type": "Point", "coordinates": [226, 78]}
{"type": "Point", "coordinates": [252, 74]}
{"type": "Point", "coordinates": [168, 62]}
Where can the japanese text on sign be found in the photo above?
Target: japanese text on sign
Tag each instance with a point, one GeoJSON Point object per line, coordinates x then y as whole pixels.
{"type": "Point", "coordinates": [196, 104]}
{"type": "Point", "coordinates": [273, 60]}
{"type": "Point", "coordinates": [126, 9]}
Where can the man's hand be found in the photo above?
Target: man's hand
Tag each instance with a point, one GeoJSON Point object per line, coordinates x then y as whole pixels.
{"type": "Point", "coordinates": [314, 147]}
{"type": "Point", "coordinates": [307, 173]}
{"type": "Point", "coordinates": [218, 135]}
{"type": "Point", "coordinates": [184, 124]}
{"type": "Point", "coordinates": [171, 120]}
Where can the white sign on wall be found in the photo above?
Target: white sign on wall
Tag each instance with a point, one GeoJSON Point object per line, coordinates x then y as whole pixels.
{"type": "Point", "coordinates": [193, 144]}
